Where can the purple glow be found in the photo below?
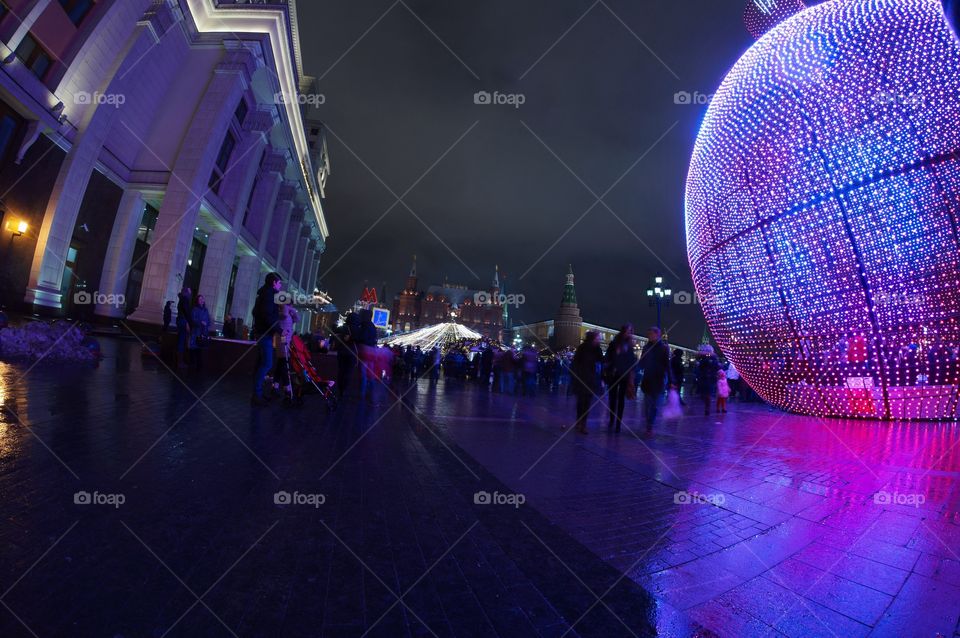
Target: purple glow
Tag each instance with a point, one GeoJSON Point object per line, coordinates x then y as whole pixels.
{"type": "Point", "coordinates": [823, 215]}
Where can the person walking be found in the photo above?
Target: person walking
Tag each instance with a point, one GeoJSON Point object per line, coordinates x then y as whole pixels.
{"type": "Point", "coordinates": [199, 329]}
{"type": "Point", "coordinates": [620, 366]}
{"type": "Point", "coordinates": [266, 319]}
{"type": "Point", "coordinates": [167, 315]}
{"type": "Point", "coordinates": [733, 379]}
{"type": "Point", "coordinates": [677, 369]}
{"type": "Point", "coordinates": [657, 372]}
{"type": "Point", "coordinates": [346, 348]}
{"type": "Point", "coordinates": [586, 383]}
{"type": "Point", "coordinates": [529, 364]}
{"type": "Point", "coordinates": [723, 391]}
{"type": "Point", "coordinates": [706, 375]}
{"type": "Point", "coordinates": [184, 313]}
{"type": "Point", "coordinates": [367, 353]}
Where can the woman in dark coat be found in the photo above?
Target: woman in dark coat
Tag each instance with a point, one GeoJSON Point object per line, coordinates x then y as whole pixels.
{"type": "Point", "coordinates": [706, 375]}
{"type": "Point", "coordinates": [621, 362]}
{"type": "Point", "coordinates": [586, 383]}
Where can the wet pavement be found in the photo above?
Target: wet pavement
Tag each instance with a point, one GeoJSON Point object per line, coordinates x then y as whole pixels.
{"type": "Point", "coordinates": [133, 504]}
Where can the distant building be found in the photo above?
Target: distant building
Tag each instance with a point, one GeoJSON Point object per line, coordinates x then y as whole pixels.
{"type": "Point", "coordinates": [760, 16]}
{"type": "Point", "coordinates": [479, 310]}
{"type": "Point", "coordinates": [568, 324]}
{"type": "Point", "coordinates": [568, 329]}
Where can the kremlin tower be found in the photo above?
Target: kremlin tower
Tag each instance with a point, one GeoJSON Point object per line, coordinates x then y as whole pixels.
{"type": "Point", "coordinates": [568, 323]}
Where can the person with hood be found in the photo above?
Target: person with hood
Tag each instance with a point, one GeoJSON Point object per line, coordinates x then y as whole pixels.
{"type": "Point", "coordinates": [184, 313]}
{"type": "Point", "coordinates": [621, 362]}
{"type": "Point", "coordinates": [657, 371]}
{"type": "Point", "coordinates": [266, 323]}
{"type": "Point", "coordinates": [586, 382]}
{"type": "Point", "coordinates": [677, 369]}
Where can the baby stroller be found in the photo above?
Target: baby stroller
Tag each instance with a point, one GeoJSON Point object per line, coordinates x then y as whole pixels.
{"type": "Point", "coordinates": [301, 373]}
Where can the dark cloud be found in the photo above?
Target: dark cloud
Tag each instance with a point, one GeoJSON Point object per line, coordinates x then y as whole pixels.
{"type": "Point", "coordinates": [599, 99]}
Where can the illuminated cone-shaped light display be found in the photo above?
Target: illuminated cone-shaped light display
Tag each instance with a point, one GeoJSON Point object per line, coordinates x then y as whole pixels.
{"type": "Point", "coordinates": [823, 212]}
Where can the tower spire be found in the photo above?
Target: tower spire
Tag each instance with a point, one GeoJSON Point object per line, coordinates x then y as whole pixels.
{"type": "Point", "coordinates": [413, 267]}
{"type": "Point", "coordinates": [496, 277]}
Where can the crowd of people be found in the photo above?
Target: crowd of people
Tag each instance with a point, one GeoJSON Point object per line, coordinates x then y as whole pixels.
{"type": "Point", "coordinates": [589, 372]}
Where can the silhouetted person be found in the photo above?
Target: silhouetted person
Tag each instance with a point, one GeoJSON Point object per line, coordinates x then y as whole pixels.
{"type": "Point", "coordinates": [655, 361]}
{"type": "Point", "coordinates": [620, 368]}
{"type": "Point", "coordinates": [586, 383]}
{"type": "Point", "coordinates": [266, 318]}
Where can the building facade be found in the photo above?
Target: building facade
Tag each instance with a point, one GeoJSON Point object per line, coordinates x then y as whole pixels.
{"type": "Point", "coordinates": [479, 310]}
{"type": "Point", "coordinates": [151, 144]}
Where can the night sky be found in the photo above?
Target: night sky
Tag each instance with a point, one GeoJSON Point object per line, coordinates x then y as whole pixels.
{"type": "Point", "coordinates": [486, 184]}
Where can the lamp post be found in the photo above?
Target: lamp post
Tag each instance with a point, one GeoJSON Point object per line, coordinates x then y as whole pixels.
{"type": "Point", "coordinates": [658, 295]}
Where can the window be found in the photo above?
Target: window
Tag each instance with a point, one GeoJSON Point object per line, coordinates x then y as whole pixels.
{"type": "Point", "coordinates": [241, 112]}
{"type": "Point", "coordinates": [76, 10]}
{"type": "Point", "coordinates": [33, 56]}
{"type": "Point", "coordinates": [216, 177]}
{"type": "Point", "coordinates": [8, 126]}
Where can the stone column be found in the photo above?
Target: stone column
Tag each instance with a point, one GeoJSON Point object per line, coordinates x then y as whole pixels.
{"type": "Point", "coordinates": [299, 267]}
{"type": "Point", "coordinates": [240, 176]}
{"type": "Point", "coordinates": [264, 195]}
{"type": "Point", "coordinates": [189, 182]}
{"type": "Point", "coordinates": [292, 244]}
{"type": "Point", "coordinates": [215, 278]}
{"type": "Point", "coordinates": [28, 16]}
{"type": "Point", "coordinates": [123, 239]}
{"type": "Point", "coordinates": [275, 228]}
{"type": "Point", "coordinates": [63, 205]}
{"type": "Point", "coordinates": [245, 288]}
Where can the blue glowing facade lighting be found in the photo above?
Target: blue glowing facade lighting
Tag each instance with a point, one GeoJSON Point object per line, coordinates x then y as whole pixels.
{"type": "Point", "coordinates": [823, 212]}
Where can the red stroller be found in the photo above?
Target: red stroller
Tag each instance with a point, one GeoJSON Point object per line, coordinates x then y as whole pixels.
{"type": "Point", "coordinates": [302, 373]}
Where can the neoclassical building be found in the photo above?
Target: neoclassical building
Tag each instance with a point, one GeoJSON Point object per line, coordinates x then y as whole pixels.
{"type": "Point", "coordinates": [479, 310]}
{"type": "Point", "coordinates": [148, 144]}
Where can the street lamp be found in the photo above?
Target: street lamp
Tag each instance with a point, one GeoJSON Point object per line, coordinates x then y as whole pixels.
{"type": "Point", "coordinates": [658, 295]}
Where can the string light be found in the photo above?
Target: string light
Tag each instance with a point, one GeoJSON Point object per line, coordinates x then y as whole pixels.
{"type": "Point", "coordinates": [427, 338]}
{"type": "Point", "coordinates": [823, 212]}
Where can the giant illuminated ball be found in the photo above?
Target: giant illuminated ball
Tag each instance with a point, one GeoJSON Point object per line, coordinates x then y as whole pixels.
{"type": "Point", "coordinates": [823, 212]}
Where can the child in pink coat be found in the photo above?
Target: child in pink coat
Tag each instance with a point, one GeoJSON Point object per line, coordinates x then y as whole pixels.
{"type": "Point", "coordinates": [723, 391]}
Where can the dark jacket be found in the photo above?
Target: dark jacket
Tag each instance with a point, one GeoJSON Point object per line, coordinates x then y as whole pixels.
{"type": "Point", "coordinates": [676, 367]}
{"type": "Point", "coordinates": [706, 373]}
{"type": "Point", "coordinates": [655, 361]}
{"type": "Point", "coordinates": [583, 369]}
{"type": "Point", "coordinates": [266, 313]}
{"type": "Point", "coordinates": [620, 362]}
{"type": "Point", "coordinates": [167, 313]}
{"type": "Point", "coordinates": [184, 310]}
{"type": "Point", "coordinates": [368, 332]}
